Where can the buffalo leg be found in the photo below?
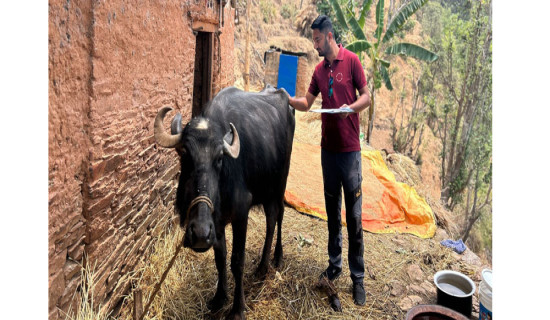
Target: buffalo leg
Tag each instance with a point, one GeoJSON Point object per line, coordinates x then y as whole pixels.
{"type": "Point", "coordinates": [271, 213]}
{"type": "Point", "coordinates": [220, 253]}
{"type": "Point", "coordinates": [278, 256]}
{"type": "Point", "coordinates": [237, 266]}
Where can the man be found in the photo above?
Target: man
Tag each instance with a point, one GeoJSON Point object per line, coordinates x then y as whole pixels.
{"type": "Point", "coordinates": [337, 77]}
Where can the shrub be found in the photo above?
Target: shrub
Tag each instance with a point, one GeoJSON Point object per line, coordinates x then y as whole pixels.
{"type": "Point", "coordinates": [288, 11]}
{"type": "Point", "coordinates": [268, 10]}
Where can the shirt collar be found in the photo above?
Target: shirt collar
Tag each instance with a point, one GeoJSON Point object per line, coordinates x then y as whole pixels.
{"type": "Point", "coordinates": [340, 55]}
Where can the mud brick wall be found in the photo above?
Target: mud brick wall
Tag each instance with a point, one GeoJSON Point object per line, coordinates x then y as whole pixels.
{"type": "Point", "coordinates": [303, 78]}
{"type": "Point", "coordinates": [271, 75]}
{"type": "Point", "coordinates": [112, 65]}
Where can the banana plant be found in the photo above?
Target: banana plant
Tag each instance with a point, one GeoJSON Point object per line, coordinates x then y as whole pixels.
{"type": "Point", "coordinates": [380, 48]}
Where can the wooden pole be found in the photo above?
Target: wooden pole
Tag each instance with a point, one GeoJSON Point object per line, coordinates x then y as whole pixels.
{"type": "Point", "coordinates": [138, 304]}
{"type": "Point", "coordinates": [371, 118]}
{"type": "Point", "coordinates": [247, 49]}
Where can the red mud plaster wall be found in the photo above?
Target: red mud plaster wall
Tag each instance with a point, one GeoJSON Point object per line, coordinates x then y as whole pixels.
{"type": "Point", "coordinates": [112, 66]}
{"type": "Point", "coordinates": [143, 58]}
{"type": "Point", "coordinates": [69, 69]}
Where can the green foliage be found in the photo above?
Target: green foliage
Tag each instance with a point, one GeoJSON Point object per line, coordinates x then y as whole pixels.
{"type": "Point", "coordinates": [431, 19]}
{"type": "Point", "coordinates": [460, 106]}
{"type": "Point", "coordinates": [485, 230]}
{"type": "Point", "coordinates": [377, 52]}
{"type": "Point", "coordinates": [411, 50]}
{"type": "Point", "coordinates": [364, 11]}
{"type": "Point", "coordinates": [379, 20]}
{"type": "Point", "coordinates": [402, 17]}
{"type": "Point", "coordinates": [419, 160]}
{"type": "Point", "coordinates": [268, 10]}
{"type": "Point", "coordinates": [409, 25]}
{"type": "Point", "coordinates": [461, 8]}
{"type": "Point", "coordinates": [458, 184]}
{"type": "Point", "coordinates": [288, 11]}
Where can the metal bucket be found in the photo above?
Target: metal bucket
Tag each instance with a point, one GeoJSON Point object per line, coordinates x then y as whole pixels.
{"type": "Point", "coordinates": [455, 291]}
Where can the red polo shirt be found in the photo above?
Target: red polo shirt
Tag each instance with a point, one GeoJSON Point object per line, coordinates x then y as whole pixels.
{"type": "Point", "coordinates": [339, 135]}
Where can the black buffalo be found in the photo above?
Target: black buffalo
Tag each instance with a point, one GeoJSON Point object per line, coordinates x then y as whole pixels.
{"type": "Point", "coordinates": [234, 155]}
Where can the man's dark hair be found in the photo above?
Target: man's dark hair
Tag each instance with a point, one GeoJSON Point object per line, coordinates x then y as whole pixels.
{"type": "Point", "coordinates": [323, 23]}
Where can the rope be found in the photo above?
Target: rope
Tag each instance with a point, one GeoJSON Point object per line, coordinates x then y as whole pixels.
{"type": "Point", "coordinates": [199, 199]}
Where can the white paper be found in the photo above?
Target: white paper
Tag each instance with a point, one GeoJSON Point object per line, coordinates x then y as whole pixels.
{"type": "Point", "coordinates": [340, 110]}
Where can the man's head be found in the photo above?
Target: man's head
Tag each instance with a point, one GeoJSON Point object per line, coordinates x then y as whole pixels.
{"type": "Point", "coordinates": [323, 34]}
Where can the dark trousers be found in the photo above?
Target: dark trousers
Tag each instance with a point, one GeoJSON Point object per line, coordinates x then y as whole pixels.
{"type": "Point", "coordinates": [344, 170]}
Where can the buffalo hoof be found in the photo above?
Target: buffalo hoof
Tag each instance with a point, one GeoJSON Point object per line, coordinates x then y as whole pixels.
{"type": "Point", "coordinates": [277, 260]}
{"type": "Point", "coordinates": [236, 316]}
{"type": "Point", "coordinates": [261, 272]}
{"type": "Point", "coordinates": [216, 303]}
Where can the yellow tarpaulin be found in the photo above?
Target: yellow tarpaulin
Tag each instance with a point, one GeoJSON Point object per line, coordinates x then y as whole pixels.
{"type": "Point", "coordinates": [388, 206]}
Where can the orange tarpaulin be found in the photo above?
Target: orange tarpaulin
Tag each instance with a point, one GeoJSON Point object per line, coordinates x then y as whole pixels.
{"type": "Point", "coordinates": [388, 206]}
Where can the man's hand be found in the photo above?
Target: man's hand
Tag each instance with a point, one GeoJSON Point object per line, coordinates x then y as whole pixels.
{"type": "Point", "coordinates": [345, 114]}
{"type": "Point", "coordinates": [302, 103]}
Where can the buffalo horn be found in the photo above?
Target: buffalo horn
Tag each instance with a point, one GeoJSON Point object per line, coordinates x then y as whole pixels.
{"type": "Point", "coordinates": [235, 147]}
{"type": "Point", "coordinates": [164, 139]}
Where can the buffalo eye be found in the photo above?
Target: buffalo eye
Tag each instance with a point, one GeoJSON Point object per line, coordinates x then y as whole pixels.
{"type": "Point", "coordinates": [218, 161]}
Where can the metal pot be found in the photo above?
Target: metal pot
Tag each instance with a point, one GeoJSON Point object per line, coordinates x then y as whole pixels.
{"type": "Point", "coordinates": [433, 312]}
{"type": "Point", "coordinates": [455, 291]}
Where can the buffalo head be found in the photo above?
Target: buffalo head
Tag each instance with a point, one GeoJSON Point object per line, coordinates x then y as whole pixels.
{"type": "Point", "coordinates": [202, 146]}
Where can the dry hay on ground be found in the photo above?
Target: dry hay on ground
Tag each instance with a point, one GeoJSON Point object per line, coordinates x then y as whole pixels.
{"type": "Point", "coordinates": [404, 169]}
{"type": "Point", "coordinates": [289, 292]}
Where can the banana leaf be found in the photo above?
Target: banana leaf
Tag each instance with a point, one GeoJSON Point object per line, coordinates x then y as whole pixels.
{"type": "Point", "coordinates": [356, 28]}
{"type": "Point", "coordinates": [358, 46]}
{"type": "Point", "coordinates": [402, 16]}
{"type": "Point", "coordinates": [386, 77]}
{"type": "Point", "coordinates": [412, 50]}
{"type": "Point", "coordinates": [364, 11]}
{"type": "Point", "coordinates": [339, 13]}
{"type": "Point", "coordinates": [379, 19]}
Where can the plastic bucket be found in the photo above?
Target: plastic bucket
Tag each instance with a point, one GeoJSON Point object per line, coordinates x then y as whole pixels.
{"type": "Point", "coordinates": [486, 295]}
{"type": "Point", "coordinates": [455, 291]}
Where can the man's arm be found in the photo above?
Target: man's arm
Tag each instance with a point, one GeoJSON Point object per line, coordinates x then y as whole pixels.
{"type": "Point", "coordinates": [302, 103]}
{"type": "Point", "coordinates": [360, 104]}
{"type": "Point", "coordinates": [363, 102]}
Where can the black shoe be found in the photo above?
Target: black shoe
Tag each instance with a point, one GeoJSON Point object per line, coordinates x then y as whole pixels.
{"type": "Point", "coordinates": [330, 274]}
{"type": "Point", "coordinates": [359, 293]}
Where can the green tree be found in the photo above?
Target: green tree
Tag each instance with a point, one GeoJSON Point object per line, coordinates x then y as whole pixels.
{"type": "Point", "coordinates": [462, 115]}
{"type": "Point", "coordinates": [382, 47]}
{"type": "Point", "coordinates": [467, 81]}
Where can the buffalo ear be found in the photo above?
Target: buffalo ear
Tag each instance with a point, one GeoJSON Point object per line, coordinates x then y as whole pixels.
{"type": "Point", "coordinates": [176, 129]}
{"type": "Point", "coordinates": [234, 148]}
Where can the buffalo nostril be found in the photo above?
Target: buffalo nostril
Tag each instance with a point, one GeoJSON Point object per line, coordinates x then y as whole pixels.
{"type": "Point", "coordinates": [209, 237]}
{"type": "Point", "coordinates": [193, 233]}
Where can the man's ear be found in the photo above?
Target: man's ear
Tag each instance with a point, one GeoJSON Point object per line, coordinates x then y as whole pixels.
{"type": "Point", "coordinates": [330, 36]}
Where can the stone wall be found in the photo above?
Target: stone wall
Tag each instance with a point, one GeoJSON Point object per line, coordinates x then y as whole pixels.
{"type": "Point", "coordinates": [112, 65]}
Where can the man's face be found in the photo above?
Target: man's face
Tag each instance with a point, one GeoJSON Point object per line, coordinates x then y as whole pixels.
{"type": "Point", "coordinates": [320, 42]}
